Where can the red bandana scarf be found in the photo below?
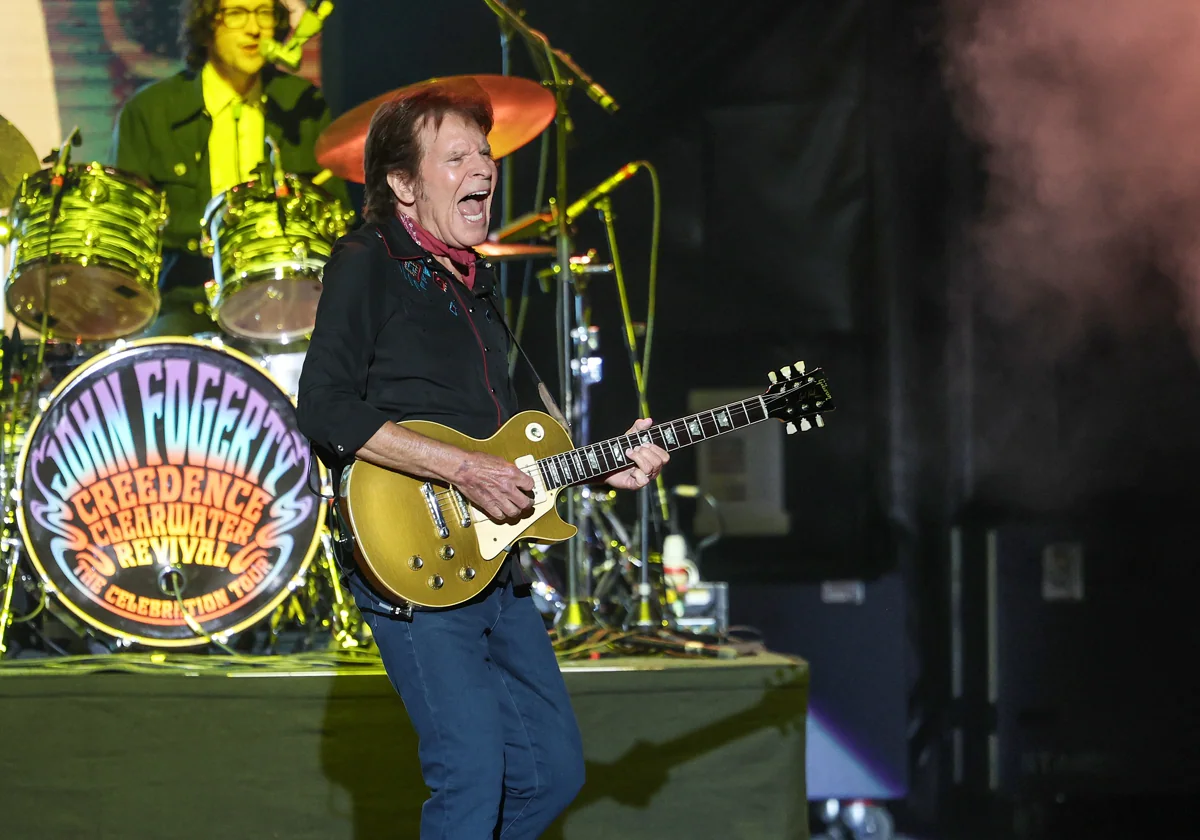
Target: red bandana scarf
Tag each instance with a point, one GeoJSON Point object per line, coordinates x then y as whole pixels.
{"type": "Point", "coordinates": [463, 258]}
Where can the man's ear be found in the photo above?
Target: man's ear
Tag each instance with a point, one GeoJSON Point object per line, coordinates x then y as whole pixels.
{"type": "Point", "coordinates": [402, 188]}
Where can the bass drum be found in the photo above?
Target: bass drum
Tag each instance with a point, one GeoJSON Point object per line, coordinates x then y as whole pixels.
{"type": "Point", "coordinates": [164, 454]}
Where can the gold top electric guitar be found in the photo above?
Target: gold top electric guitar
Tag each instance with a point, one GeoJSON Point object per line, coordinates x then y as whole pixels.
{"type": "Point", "coordinates": [422, 542]}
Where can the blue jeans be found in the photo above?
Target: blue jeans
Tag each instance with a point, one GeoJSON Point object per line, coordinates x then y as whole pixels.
{"type": "Point", "coordinates": [499, 746]}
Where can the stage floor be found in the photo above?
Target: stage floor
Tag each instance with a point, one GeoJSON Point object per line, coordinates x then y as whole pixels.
{"type": "Point", "coordinates": [317, 746]}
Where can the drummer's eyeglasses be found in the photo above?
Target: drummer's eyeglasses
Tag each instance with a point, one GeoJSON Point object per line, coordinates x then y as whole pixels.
{"type": "Point", "coordinates": [236, 17]}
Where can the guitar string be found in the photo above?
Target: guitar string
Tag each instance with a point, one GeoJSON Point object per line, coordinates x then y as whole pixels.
{"type": "Point", "coordinates": [442, 495]}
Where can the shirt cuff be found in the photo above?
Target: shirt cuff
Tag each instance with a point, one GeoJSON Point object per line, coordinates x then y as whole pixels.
{"type": "Point", "coordinates": [358, 425]}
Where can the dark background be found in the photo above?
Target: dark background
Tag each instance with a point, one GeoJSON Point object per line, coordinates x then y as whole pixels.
{"type": "Point", "coordinates": [819, 197]}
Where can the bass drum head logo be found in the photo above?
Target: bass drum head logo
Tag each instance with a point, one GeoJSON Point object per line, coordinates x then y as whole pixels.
{"type": "Point", "coordinates": [168, 454]}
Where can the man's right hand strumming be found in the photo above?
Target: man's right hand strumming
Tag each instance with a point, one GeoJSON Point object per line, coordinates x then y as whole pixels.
{"type": "Point", "coordinates": [497, 487]}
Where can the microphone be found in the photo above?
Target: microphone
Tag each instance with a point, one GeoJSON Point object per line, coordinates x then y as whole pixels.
{"type": "Point", "coordinates": [602, 189]}
{"type": "Point", "coordinates": [594, 91]}
{"type": "Point", "coordinates": [279, 182]}
{"type": "Point", "coordinates": [63, 156]}
{"type": "Point", "coordinates": [539, 225]}
{"type": "Point", "coordinates": [277, 176]}
{"type": "Point", "coordinates": [290, 54]}
{"type": "Point", "coordinates": [58, 175]}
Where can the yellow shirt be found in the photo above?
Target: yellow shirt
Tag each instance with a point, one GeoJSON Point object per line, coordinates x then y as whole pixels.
{"type": "Point", "coordinates": [235, 144]}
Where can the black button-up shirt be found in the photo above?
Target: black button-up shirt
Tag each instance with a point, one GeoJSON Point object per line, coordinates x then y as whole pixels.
{"type": "Point", "coordinates": [397, 337]}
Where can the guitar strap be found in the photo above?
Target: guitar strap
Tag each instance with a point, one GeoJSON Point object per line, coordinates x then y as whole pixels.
{"type": "Point", "coordinates": [547, 400]}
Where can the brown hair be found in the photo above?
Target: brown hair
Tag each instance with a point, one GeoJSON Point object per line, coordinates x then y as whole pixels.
{"type": "Point", "coordinates": [394, 137]}
{"type": "Point", "coordinates": [198, 19]}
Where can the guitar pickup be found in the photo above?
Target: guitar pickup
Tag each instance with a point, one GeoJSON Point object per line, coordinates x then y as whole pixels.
{"type": "Point", "coordinates": [435, 510]}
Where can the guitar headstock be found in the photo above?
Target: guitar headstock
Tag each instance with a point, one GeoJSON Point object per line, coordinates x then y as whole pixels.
{"type": "Point", "coordinates": [798, 397]}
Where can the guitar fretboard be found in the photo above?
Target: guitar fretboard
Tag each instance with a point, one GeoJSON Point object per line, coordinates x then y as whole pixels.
{"type": "Point", "coordinates": [597, 459]}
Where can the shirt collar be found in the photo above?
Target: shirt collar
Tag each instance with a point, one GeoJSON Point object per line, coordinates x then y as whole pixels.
{"type": "Point", "coordinates": [400, 246]}
{"type": "Point", "coordinates": [218, 93]}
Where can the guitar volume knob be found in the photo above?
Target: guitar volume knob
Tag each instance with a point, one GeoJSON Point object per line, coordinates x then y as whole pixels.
{"type": "Point", "coordinates": [435, 581]}
{"type": "Point", "coordinates": [446, 552]}
{"type": "Point", "coordinates": [466, 573]}
{"type": "Point", "coordinates": [415, 562]}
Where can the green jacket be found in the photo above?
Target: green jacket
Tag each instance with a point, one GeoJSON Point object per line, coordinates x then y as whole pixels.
{"type": "Point", "coordinates": [162, 135]}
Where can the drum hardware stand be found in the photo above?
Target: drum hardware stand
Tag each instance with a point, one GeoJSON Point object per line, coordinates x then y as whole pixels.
{"type": "Point", "coordinates": [344, 622]}
{"type": "Point", "coordinates": [8, 556]}
{"type": "Point", "coordinates": [560, 73]}
{"type": "Point", "coordinates": [62, 160]}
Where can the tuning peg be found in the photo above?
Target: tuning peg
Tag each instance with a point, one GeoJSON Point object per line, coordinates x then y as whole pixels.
{"type": "Point", "coordinates": [804, 424]}
{"type": "Point", "coordinates": [800, 368]}
{"type": "Point", "coordinates": [791, 428]}
{"type": "Point", "coordinates": [772, 377]}
{"type": "Point", "coordinates": [786, 370]}
{"type": "Point", "coordinates": [819, 421]}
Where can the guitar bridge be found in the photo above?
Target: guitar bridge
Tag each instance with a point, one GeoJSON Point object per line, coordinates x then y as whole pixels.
{"type": "Point", "coordinates": [460, 505]}
{"type": "Point", "coordinates": [435, 510]}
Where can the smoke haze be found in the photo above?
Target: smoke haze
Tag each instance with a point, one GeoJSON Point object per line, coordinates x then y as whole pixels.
{"type": "Point", "coordinates": [1089, 111]}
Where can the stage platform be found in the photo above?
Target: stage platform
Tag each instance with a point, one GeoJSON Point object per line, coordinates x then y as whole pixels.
{"type": "Point", "coordinates": [135, 746]}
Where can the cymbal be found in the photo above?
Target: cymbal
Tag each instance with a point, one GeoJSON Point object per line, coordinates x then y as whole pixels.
{"type": "Point", "coordinates": [17, 159]}
{"type": "Point", "coordinates": [506, 252]}
{"type": "Point", "coordinates": [522, 110]}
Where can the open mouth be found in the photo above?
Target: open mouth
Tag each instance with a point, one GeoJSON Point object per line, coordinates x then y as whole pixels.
{"type": "Point", "coordinates": [472, 205]}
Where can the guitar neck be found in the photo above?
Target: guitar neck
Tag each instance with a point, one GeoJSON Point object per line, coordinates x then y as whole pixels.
{"type": "Point", "coordinates": [599, 459]}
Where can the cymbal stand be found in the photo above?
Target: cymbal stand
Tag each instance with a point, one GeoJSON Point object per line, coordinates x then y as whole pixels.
{"type": "Point", "coordinates": [10, 542]}
{"type": "Point", "coordinates": [560, 73]}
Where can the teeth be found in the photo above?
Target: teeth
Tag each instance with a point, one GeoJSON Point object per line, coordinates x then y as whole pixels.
{"type": "Point", "coordinates": [478, 217]}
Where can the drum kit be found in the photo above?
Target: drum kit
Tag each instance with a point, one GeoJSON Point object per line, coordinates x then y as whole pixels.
{"type": "Point", "coordinates": [157, 491]}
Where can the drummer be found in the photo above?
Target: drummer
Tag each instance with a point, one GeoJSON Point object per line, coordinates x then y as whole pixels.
{"type": "Point", "coordinates": [202, 131]}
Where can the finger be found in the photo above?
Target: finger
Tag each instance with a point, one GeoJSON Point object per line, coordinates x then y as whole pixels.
{"type": "Point", "coordinates": [646, 462]}
{"type": "Point", "coordinates": [510, 508]}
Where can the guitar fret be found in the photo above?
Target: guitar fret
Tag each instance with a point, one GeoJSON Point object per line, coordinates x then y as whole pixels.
{"type": "Point", "coordinates": [596, 459]}
{"type": "Point", "coordinates": [745, 414]}
{"type": "Point", "coordinates": [610, 463]}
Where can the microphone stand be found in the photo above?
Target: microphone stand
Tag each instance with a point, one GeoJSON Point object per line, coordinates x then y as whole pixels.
{"type": "Point", "coordinates": [560, 73]}
{"type": "Point", "coordinates": [650, 593]}
{"type": "Point", "coordinates": [506, 170]}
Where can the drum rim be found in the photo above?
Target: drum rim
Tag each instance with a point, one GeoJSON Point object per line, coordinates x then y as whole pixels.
{"type": "Point", "coordinates": [126, 174]}
{"type": "Point", "coordinates": [257, 616]}
{"type": "Point", "coordinates": [305, 182]}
